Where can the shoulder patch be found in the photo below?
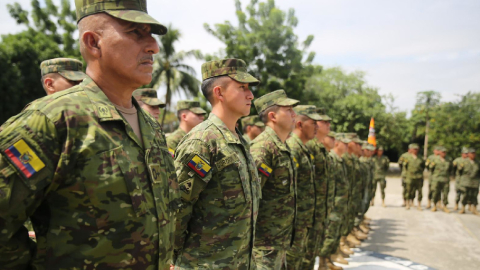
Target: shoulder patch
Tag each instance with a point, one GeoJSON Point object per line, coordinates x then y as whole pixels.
{"type": "Point", "coordinates": [24, 158]}
{"type": "Point", "coordinates": [267, 171]}
{"type": "Point", "coordinates": [199, 165]}
{"type": "Point", "coordinates": [171, 151]}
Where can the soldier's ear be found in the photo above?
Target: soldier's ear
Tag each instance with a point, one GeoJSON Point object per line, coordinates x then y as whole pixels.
{"type": "Point", "coordinates": [272, 116]}
{"type": "Point", "coordinates": [48, 83]}
{"type": "Point", "coordinates": [91, 42]}
{"type": "Point", "coordinates": [217, 93]}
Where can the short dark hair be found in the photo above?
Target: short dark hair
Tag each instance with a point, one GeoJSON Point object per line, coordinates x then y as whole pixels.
{"type": "Point", "coordinates": [179, 113]}
{"type": "Point", "coordinates": [264, 115]}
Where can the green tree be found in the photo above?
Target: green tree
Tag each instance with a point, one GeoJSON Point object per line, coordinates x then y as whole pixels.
{"type": "Point", "coordinates": [351, 103]}
{"type": "Point", "coordinates": [49, 35]}
{"type": "Point", "coordinates": [171, 71]}
{"type": "Point", "coordinates": [265, 39]}
{"type": "Point", "coordinates": [426, 100]}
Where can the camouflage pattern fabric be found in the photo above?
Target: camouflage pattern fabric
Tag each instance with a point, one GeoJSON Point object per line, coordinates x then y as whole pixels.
{"type": "Point", "coordinates": [367, 196]}
{"type": "Point", "coordinates": [174, 138]}
{"type": "Point", "coordinates": [470, 180]}
{"type": "Point", "coordinates": [316, 238]}
{"type": "Point", "coordinates": [402, 162]}
{"type": "Point", "coordinates": [220, 191]}
{"type": "Point", "coordinates": [356, 192]}
{"type": "Point", "coordinates": [456, 172]}
{"type": "Point", "coordinates": [277, 171]}
{"type": "Point", "coordinates": [127, 10]}
{"type": "Point", "coordinates": [414, 176]}
{"type": "Point", "coordinates": [233, 68]}
{"type": "Point", "coordinates": [430, 159]}
{"type": "Point", "coordinates": [277, 97]}
{"type": "Point", "coordinates": [308, 110]}
{"type": "Point", "coordinates": [95, 196]}
{"type": "Point", "coordinates": [70, 69]}
{"type": "Point", "coordinates": [440, 170]}
{"type": "Point", "coordinates": [247, 139]}
{"type": "Point", "coordinates": [339, 208]}
{"type": "Point", "coordinates": [148, 96]}
{"type": "Point", "coordinates": [191, 105]}
{"type": "Point", "coordinates": [305, 200]}
{"type": "Point", "coordinates": [350, 173]}
{"type": "Point", "coordinates": [252, 121]}
{"type": "Point", "coordinates": [381, 165]}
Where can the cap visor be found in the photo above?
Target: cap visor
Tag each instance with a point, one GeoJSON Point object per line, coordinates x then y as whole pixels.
{"type": "Point", "coordinates": [73, 75]}
{"type": "Point", "coordinates": [244, 77]}
{"type": "Point", "coordinates": [259, 124]}
{"type": "Point", "coordinates": [197, 110]}
{"type": "Point", "coordinates": [139, 17]}
{"type": "Point", "coordinates": [326, 118]}
{"type": "Point", "coordinates": [153, 102]}
{"type": "Point", "coordinates": [315, 116]}
{"type": "Point", "coordinates": [288, 102]}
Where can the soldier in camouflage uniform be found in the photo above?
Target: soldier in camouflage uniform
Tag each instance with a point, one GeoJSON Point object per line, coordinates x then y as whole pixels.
{"type": "Point", "coordinates": [99, 194]}
{"type": "Point", "coordinates": [305, 130]}
{"type": "Point", "coordinates": [470, 180]}
{"type": "Point", "coordinates": [338, 205]}
{"type": "Point", "coordinates": [456, 164]}
{"type": "Point", "coordinates": [430, 159]}
{"type": "Point", "coordinates": [218, 177]}
{"type": "Point", "coordinates": [277, 171]}
{"type": "Point", "coordinates": [414, 176]}
{"type": "Point", "coordinates": [148, 100]}
{"type": "Point", "coordinates": [402, 161]}
{"type": "Point", "coordinates": [440, 170]}
{"type": "Point", "coordinates": [252, 127]}
{"type": "Point", "coordinates": [382, 163]}
{"type": "Point", "coordinates": [320, 154]}
{"type": "Point", "coordinates": [60, 74]}
{"type": "Point", "coordinates": [190, 114]}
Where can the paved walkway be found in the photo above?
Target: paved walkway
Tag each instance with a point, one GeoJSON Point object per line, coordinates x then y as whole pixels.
{"type": "Point", "coordinates": [424, 239]}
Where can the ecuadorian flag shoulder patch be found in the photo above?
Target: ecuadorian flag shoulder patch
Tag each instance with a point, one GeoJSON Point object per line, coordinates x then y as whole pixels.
{"type": "Point", "coordinates": [199, 165]}
{"type": "Point", "coordinates": [267, 171]}
{"type": "Point", "coordinates": [24, 158]}
{"type": "Point", "coordinates": [171, 151]}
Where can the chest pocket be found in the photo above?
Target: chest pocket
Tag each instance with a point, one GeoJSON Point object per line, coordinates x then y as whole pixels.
{"type": "Point", "coordinates": [233, 176]}
{"type": "Point", "coordinates": [283, 175]}
{"type": "Point", "coordinates": [115, 190]}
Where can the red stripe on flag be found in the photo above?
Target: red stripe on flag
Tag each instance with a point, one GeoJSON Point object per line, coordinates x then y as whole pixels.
{"type": "Point", "coordinates": [191, 165]}
{"type": "Point", "coordinates": [18, 163]}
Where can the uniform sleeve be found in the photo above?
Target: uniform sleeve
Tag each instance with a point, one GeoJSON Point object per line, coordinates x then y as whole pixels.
{"type": "Point", "coordinates": [263, 160]}
{"type": "Point", "coordinates": [194, 171]}
{"type": "Point", "coordinates": [28, 149]}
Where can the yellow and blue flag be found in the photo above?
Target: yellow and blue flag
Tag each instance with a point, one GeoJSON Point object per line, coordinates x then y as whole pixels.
{"type": "Point", "coordinates": [200, 166]}
{"type": "Point", "coordinates": [24, 158]}
{"type": "Point", "coordinates": [265, 169]}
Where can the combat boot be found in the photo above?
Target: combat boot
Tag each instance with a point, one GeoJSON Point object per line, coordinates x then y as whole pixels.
{"type": "Point", "coordinates": [407, 206]}
{"type": "Point", "coordinates": [364, 228]}
{"type": "Point", "coordinates": [434, 208]}
{"type": "Point", "coordinates": [332, 266]}
{"type": "Point", "coordinates": [429, 202]}
{"type": "Point", "coordinates": [445, 209]}
{"type": "Point", "coordinates": [419, 207]}
{"type": "Point", "coordinates": [474, 210]}
{"type": "Point", "coordinates": [337, 257]}
{"type": "Point", "coordinates": [323, 264]}
{"type": "Point", "coordinates": [383, 203]}
{"type": "Point", "coordinates": [456, 207]}
{"type": "Point", "coordinates": [344, 255]}
{"type": "Point", "coordinates": [371, 203]}
{"type": "Point", "coordinates": [463, 210]}
{"type": "Point", "coordinates": [345, 249]}
{"type": "Point", "coordinates": [359, 234]}
{"type": "Point", "coordinates": [352, 239]}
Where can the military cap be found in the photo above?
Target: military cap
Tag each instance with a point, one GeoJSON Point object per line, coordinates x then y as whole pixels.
{"type": "Point", "coordinates": [148, 96]}
{"type": "Point", "coordinates": [252, 121]}
{"type": "Point", "coordinates": [127, 10]}
{"type": "Point", "coordinates": [354, 138]}
{"type": "Point", "coordinates": [379, 148]}
{"type": "Point", "coordinates": [371, 147]}
{"type": "Point", "coordinates": [413, 146]}
{"type": "Point", "coordinates": [70, 69]}
{"type": "Point", "coordinates": [323, 113]}
{"type": "Point", "coordinates": [342, 137]}
{"type": "Point", "coordinates": [471, 150]}
{"type": "Point", "coordinates": [437, 147]}
{"type": "Point", "coordinates": [332, 134]}
{"type": "Point", "coordinates": [464, 150]}
{"type": "Point", "coordinates": [278, 97]}
{"type": "Point", "coordinates": [309, 111]}
{"type": "Point", "coordinates": [236, 69]}
{"type": "Point", "coordinates": [191, 105]}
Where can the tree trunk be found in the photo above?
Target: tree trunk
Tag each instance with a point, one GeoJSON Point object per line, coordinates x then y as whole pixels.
{"type": "Point", "coordinates": [427, 125]}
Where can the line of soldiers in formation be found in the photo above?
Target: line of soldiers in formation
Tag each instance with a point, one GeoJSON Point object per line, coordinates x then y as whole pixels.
{"type": "Point", "coordinates": [465, 169]}
{"type": "Point", "coordinates": [92, 170]}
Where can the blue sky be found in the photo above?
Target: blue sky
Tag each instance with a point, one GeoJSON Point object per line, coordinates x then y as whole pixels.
{"type": "Point", "coordinates": [404, 46]}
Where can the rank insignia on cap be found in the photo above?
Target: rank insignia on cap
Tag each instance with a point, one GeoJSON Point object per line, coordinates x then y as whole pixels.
{"type": "Point", "coordinates": [171, 151]}
{"type": "Point", "coordinates": [24, 158]}
{"type": "Point", "coordinates": [265, 169]}
{"type": "Point", "coordinates": [199, 165]}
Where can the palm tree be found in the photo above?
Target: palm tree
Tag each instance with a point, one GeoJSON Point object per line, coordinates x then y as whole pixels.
{"type": "Point", "coordinates": [170, 70]}
{"type": "Point", "coordinates": [426, 100]}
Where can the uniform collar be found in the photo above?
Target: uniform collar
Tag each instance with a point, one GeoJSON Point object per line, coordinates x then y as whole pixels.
{"type": "Point", "coordinates": [337, 157]}
{"type": "Point", "coordinates": [103, 107]}
{"type": "Point", "coordinates": [226, 133]}
{"type": "Point", "coordinates": [273, 135]}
